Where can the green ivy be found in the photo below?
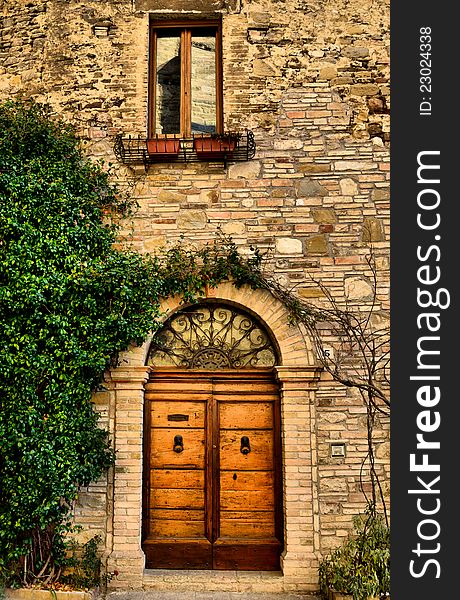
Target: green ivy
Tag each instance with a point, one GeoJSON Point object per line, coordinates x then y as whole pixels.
{"type": "Point", "coordinates": [70, 301]}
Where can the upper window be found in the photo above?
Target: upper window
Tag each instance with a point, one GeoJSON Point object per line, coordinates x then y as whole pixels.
{"type": "Point", "coordinates": [185, 78]}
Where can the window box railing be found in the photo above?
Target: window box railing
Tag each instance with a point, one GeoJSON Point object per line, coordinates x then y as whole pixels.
{"type": "Point", "coordinates": [221, 148]}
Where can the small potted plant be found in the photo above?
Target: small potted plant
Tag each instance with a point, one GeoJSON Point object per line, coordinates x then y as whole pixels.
{"type": "Point", "coordinates": [163, 146]}
{"type": "Point", "coordinates": [216, 145]}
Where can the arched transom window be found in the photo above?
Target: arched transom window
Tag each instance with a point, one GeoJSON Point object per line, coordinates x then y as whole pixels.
{"type": "Point", "coordinates": [212, 336]}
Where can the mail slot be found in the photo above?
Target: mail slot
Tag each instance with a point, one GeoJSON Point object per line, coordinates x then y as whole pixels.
{"type": "Point", "coordinates": [177, 417]}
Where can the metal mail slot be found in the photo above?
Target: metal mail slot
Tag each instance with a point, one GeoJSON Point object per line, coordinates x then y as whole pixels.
{"type": "Point", "coordinates": [177, 417]}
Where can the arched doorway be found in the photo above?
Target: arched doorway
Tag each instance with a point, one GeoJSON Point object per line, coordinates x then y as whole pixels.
{"type": "Point", "coordinates": [212, 444]}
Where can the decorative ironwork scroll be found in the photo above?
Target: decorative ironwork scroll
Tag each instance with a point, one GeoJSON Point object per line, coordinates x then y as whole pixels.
{"type": "Point", "coordinates": [212, 336]}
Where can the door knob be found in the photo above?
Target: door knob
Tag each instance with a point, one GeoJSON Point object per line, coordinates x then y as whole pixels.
{"type": "Point", "coordinates": [178, 444]}
{"type": "Point", "coordinates": [245, 446]}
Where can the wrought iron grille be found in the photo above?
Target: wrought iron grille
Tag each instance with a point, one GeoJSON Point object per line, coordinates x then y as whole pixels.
{"type": "Point", "coordinates": [225, 148]}
{"type": "Point", "coordinates": [212, 336]}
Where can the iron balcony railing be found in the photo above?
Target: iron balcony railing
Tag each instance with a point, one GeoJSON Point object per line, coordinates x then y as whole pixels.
{"type": "Point", "coordinates": [221, 148]}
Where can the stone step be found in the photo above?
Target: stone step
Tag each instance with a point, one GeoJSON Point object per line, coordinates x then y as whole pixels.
{"type": "Point", "coordinates": [209, 581]}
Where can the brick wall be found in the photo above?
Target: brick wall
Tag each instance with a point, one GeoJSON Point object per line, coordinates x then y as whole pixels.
{"type": "Point", "coordinates": [311, 80]}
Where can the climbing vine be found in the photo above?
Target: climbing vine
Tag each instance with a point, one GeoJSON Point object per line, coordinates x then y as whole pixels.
{"type": "Point", "coordinates": [71, 300]}
{"type": "Point", "coordinates": [353, 345]}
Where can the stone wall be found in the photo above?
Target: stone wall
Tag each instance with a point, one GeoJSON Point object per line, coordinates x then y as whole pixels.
{"type": "Point", "coordinates": [311, 80]}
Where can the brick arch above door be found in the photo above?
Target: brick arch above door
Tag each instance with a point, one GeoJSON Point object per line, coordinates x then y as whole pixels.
{"type": "Point", "coordinates": [295, 348]}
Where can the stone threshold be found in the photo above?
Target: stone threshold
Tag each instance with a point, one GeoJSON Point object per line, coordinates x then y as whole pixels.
{"type": "Point", "coordinates": [219, 581]}
{"type": "Point", "coordinates": [209, 581]}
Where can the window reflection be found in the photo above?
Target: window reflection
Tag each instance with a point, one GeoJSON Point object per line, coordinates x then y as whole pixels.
{"type": "Point", "coordinates": [203, 82]}
{"type": "Point", "coordinates": [168, 83]}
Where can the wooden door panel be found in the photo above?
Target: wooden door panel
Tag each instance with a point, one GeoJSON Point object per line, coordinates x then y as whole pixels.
{"type": "Point", "coordinates": [177, 502]}
{"type": "Point", "coordinates": [176, 498]}
{"type": "Point", "coordinates": [178, 414]}
{"type": "Point", "coordinates": [246, 415]}
{"type": "Point", "coordinates": [211, 506]}
{"type": "Point", "coordinates": [176, 528]}
{"type": "Point", "coordinates": [174, 553]}
{"type": "Point", "coordinates": [246, 480]}
{"type": "Point", "coordinates": [176, 522]}
{"type": "Point", "coordinates": [252, 500]}
{"type": "Point", "coordinates": [259, 555]}
{"type": "Point", "coordinates": [261, 516]}
{"type": "Point", "coordinates": [247, 518]}
{"type": "Point", "coordinates": [175, 514]}
{"type": "Point", "coordinates": [163, 455]}
{"type": "Point", "coordinates": [260, 457]}
{"type": "Point", "coordinates": [176, 478]}
{"type": "Point", "coordinates": [247, 525]}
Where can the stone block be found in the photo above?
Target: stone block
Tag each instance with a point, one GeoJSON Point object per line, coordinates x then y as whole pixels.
{"type": "Point", "coordinates": [357, 288]}
{"type": "Point", "coordinates": [327, 73]}
{"type": "Point", "coordinates": [332, 417]}
{"type": "Point", "coordinates": [234, 228]}
{"type": "Point", "coordinates": [262, 68]}
{"type": "Point", "coordinates": [324, 215]}
{"type": "Point", "coordinates": [206, 6]}
{"type": "Point", "coordinates": [151, 244]}
{"type": "Point", "coordinates": [288, 144]}
{"type": "Point", "coordinates": [355, 52]}
{"type": "Point", "coordinates": [383, 451]}
{"type": "Point", "coordinates": [333, 484]}
{"type": "Point", "coordinates": [348, 187]}
{"type": "Point", "coordinates": [310, 187]}
{"type": "Point", "coordinates": [310, 293]}
{"type": "Point", "coordinates": [316, 244]}
{"type": "Point", "coordinates": [289, 246]}
{"type": "Point", "coordinates": [380, 194]}
{"type": "Point", "coordinates": [36, 594]}
{"type": "Point", "coordinates": [192, 219]}
{"type": "Point", "coordinates": [167, 196]}
{"type": "Point", "coordinates": [364, 89]}
{"type": "Point", "coordinates": [314, 168]}
{"type": "Point", "coordinates": [372, 230]}
{"type": "Point", "coordinates": [245, 170]}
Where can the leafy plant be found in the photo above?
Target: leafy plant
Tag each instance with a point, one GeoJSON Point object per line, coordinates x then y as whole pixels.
{"type": "Point", "coordinates": [86, 569]}
{"type": "Point", "coordinates": [70, 301]}
{"type": "Point", "coordinates": [361, 566]}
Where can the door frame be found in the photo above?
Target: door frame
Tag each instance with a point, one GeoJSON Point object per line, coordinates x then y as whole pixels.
{"type": "Point", "coordinates": [298, 375]}
{"type": "Point", "coordinates": [212, 481]}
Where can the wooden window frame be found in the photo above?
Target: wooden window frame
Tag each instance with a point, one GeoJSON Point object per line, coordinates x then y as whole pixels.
{"type": "Point", "coordinates": [185, 28]}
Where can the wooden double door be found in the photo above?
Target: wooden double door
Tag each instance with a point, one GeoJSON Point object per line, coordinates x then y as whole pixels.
{"type": "Point", "coordinates": [212, 487]}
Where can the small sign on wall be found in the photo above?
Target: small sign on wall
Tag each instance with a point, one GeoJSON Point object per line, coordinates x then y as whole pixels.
{"type": "Point", "coordinates": [337, 449]}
